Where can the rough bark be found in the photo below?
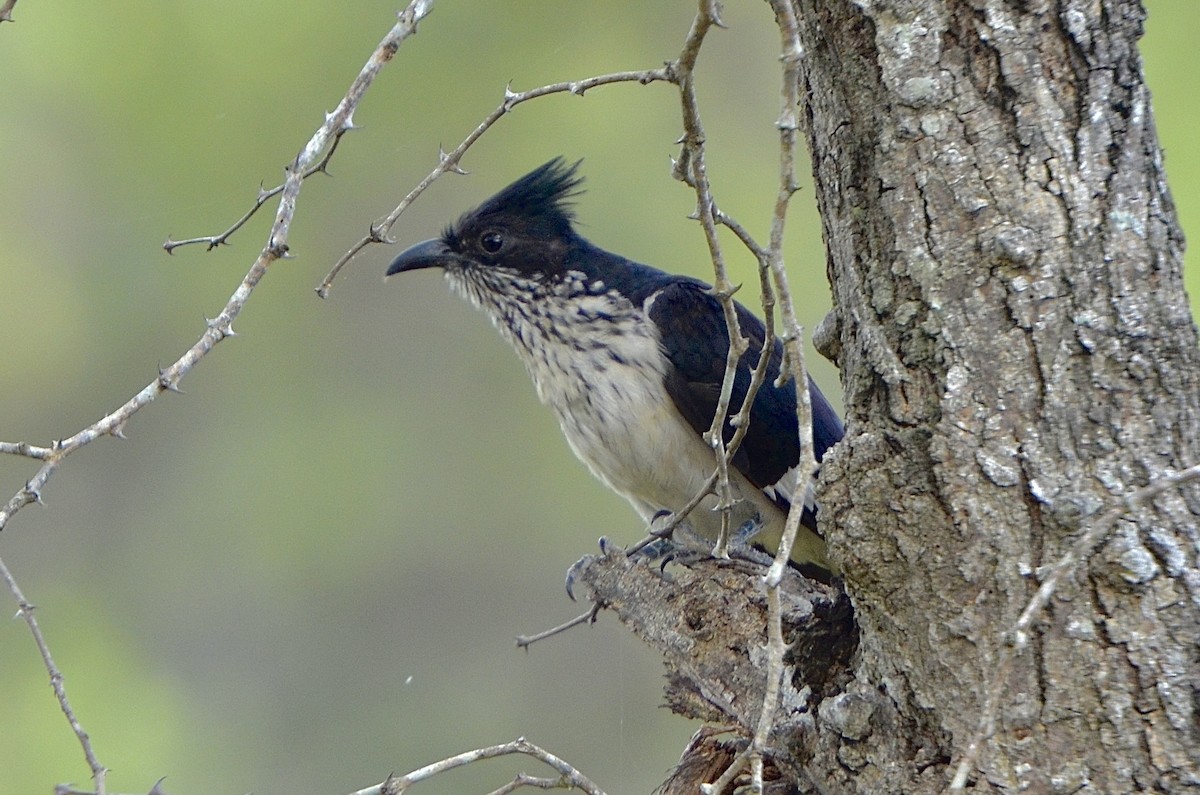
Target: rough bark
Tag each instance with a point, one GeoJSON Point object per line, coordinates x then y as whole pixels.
{"type": "Point", "coordinates": [1017, 352]}
{"type": "Point", "coordinates": [1017, 355]}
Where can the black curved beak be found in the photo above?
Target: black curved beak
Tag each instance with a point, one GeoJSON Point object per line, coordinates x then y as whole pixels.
{"type": "Point", "coordinates": [428, 254]}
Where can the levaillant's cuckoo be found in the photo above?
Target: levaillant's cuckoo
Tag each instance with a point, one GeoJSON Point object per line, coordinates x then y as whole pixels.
{"type": "Point", "coordinates": [631, 360]}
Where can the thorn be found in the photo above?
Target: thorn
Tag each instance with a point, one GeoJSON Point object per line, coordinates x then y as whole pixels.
{"type": "Point", "coordinates": [509, 96]}
{"type": "Point", "coordinates": [169, 245]}
{"type": "Point", "coordinates": [349, 124]}
{"type": "Point", "coordinates": [166, 383]}
{"type": "Point", "coordinates": [263, 193]}
{"type": "Point", "coordinates": [322, 291]}
{"type": "Point", "coordinates": [223, 329]}
{"type": "Point", "coordinates": [34, 494]}
{"type": "Point", "coordinates": [714, 13]}
{"type": "Point", "coordinates": [157, 788]}
{"type": "Point", "coordinates": [420, 11]}
{"type": "Point", "coordinates": [118, 431]}
{"type": "Point", "coordinates": [329, 116]}
{"type": "Point", "coordinates": [724, 294]}
{"type": "Point", "coordinates": [576, 88]}
{"type": "Point", "coordinates": [444, 159]}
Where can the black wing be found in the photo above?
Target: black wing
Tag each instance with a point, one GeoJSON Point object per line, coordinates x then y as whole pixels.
{"type": "Point", "coordinates": [696, 340]}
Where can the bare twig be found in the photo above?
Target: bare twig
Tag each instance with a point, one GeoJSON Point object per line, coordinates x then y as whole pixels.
{"type": "Point", "coordinates": [523, 780]}
{"type": "Point", "coordinates": [449, 161]}
{"type": "Point", "coordinates": [793, 364]}
{"type": "Point", "coordinates": [264, 195]}
{"type": "Point", "coordinates": [26, 449]}
{"type": "Point", "coordinates": [771, 262]}
{"type": "Point", "coordinates": [741, 421]}
{"type": "Point", "coordinates": [692, 169]}
{"type": "Point", "coordinates": [525, 641]}
{"type": "Point", "coordinates": [569, 776]}
{"type": "Point", "coordinates": [25, 611]}
{"type": "Point", "coordinates": [1018, 636]}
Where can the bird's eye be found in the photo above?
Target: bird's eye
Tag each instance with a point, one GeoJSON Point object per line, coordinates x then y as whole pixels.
{"type": "Point", "coordinates": [491, 241]}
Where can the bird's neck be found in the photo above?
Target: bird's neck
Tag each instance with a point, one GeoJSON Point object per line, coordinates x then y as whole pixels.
{"type": "Point", "coordinates": [572, 333]}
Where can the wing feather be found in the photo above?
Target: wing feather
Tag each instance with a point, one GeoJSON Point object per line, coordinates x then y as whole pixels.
{"type": "Point", "coordinates": [695, 338]}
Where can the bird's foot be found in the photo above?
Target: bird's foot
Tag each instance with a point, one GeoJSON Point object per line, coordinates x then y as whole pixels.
{"type": "Point", "coordinates": [741, 545]}
{"type": "Point", "coordinates": [607, 548]}
{"type": "Point", "coordinates": [660, 541]}
{"type": "Point", "coordinates": [744, 535]}
{"type": "Point", "coordinates": [658, 546]}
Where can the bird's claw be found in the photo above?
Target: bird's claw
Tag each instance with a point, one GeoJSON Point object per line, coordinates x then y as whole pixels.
{"type": "Point", "coordinates": [607, 549]}
{"type": "Point", "coordinates": [573, 572]}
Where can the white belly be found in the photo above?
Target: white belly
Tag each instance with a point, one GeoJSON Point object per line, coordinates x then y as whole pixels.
{"type": "Point", "coordinates": [629, 433]}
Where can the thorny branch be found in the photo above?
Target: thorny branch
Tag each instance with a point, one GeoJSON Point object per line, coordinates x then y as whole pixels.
{"type": "Point", "coordinates": [264, 195]}
{"type": "Point", "coordinates": [25, 611]}
{"type": "Point", "coordinates": [692, 169]}
{"type": "Point", "coordinates": [449, 161]}
{"type": "Point", "coordinates": [218, 329]}
{"type": "Point", "coordinates": [771, 265]}
{"type": "Point", "coordinates": [1018, 636]}
{"type": "Point", "coordinates": [568, 776]}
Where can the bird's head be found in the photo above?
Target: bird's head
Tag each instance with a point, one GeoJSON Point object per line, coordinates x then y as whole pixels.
{"type": "Point", "coordinates": [522, 233]}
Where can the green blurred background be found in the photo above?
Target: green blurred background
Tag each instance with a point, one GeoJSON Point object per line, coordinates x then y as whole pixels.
{"type": "Point", "coordinates": [308, 571]}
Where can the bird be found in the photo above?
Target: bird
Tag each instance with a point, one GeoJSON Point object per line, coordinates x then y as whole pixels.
{"type": "Point", "coordinates": [631, 360]}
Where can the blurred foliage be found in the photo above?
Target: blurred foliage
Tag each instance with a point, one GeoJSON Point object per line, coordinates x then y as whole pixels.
{"type": "Point", "coordinates": [307, 572]}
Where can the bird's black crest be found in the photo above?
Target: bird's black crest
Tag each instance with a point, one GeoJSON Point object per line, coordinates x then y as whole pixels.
{"type": "Point", "coordinates": [543, 197]}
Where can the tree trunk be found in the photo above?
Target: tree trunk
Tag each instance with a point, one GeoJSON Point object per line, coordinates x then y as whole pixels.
{"type": "Point", "coordinates": [1017, 355]}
